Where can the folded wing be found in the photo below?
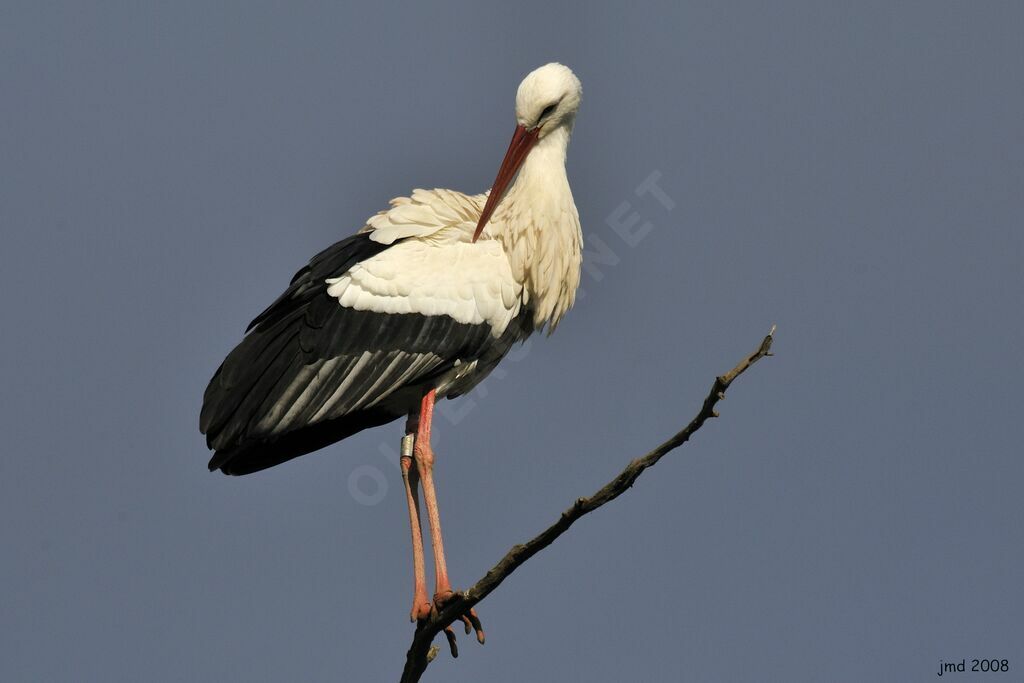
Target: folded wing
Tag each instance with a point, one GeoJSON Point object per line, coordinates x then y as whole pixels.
{"type": "Point", "coordinates": [352, 343]}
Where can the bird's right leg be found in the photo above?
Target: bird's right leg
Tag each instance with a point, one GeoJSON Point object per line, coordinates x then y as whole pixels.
{"type": "Point", "coordinates": [411, 479]}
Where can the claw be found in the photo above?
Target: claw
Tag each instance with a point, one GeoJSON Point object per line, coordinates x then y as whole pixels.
{"type": "Point", "coordinates": [473, 619]}
{"type": "Point", "coordinates": [470, 620]}
{"type": "Point", "coordinates": [452, 645]}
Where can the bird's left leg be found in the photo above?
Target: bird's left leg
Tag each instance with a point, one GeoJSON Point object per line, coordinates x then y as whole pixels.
{"type": "Point", "coordinates": [410, 477]}
{"type": "Point", "coordinates": [424, 456]}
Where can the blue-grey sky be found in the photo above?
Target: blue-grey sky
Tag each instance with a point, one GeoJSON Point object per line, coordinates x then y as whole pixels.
{"type": "Point", "coordinates": [849, 171]}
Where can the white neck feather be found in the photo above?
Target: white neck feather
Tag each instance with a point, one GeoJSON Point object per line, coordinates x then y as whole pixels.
{"type": "Point", "coordinates": [540, 230]}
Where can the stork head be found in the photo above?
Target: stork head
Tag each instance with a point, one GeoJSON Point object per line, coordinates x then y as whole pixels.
{"type": "Point", "coordinates": [547, 99]}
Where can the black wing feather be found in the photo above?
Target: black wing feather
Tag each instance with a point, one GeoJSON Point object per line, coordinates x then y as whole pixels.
{"type": "Point", "coordinates": [310, 371]}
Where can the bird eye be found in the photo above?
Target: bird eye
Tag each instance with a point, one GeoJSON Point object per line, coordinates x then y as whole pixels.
{"type": "Point", "coordinates": [547, 110]}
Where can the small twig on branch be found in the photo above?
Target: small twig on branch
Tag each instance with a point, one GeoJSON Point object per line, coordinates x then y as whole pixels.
{"type": "Point", "coordinates": [421, 653]}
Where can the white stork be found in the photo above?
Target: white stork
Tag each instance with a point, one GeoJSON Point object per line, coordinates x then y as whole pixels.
{"type": "Point", "coordinates": [422, 303]}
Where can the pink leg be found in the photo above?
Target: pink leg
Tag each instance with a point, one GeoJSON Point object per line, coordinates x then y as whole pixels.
{"type": "Point", "coordinates": [424, 456]}
{"type": "Point", "coordinates": [411, 479]}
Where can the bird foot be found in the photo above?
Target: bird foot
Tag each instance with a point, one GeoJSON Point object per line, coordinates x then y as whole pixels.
{"type": "Point", "coordinates": [469, 619]}
{"type": "Point", "coordinates": [421, 608]}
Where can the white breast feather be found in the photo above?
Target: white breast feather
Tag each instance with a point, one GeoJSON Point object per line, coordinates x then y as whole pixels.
{"type": "Point", "coordinates": [537, 263]}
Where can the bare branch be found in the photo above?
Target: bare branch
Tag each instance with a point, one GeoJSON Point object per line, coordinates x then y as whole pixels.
{"type": "Point", "coordinates": [421, 652]}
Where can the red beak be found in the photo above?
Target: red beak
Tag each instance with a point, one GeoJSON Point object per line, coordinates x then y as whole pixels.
{"type": "Point", "coordinates": [522, 142]}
